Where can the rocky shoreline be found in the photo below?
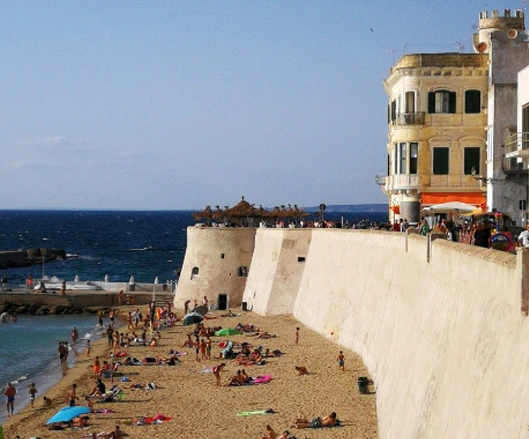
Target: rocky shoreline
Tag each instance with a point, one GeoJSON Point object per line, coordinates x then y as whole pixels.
{"type": "Point", "coordinates": [29, 257]}
{"type": "Point", "coordinates": [47, 309]}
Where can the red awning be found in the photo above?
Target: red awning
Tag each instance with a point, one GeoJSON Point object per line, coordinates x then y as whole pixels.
{"type": "Point", "coordinates": [475, 198]}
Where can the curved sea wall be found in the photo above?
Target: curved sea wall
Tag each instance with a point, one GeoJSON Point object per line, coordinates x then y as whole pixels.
{"type": "Point", "coordinates": [442, 327]}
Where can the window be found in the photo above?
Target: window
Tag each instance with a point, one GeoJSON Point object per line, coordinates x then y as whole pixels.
{"type": "Point", "coordinates": [440, 161]}
{"type": "Point", "coordinates": [472, 101]}
{"type": "Point", "coordinates": [242, 271]}
{"type": "Point", "coordinates": [402, 152]}
{"type": "Point", "coordinates": [194, 273]}
{"type": "Point", "coordinates": [441, 101]}
{"type": "Point", "coordinates": [472, 156]}
{"type": "Point", "coordinates": [393, 114]}
{"type": "Point", "coordinates": [410, 102]}
{"type": "Point", "coordinates": [414, 154]}
{"type": "Point", "coordinates": [301, 259]}
{"type": "Point", "coordinates": [396, 159]}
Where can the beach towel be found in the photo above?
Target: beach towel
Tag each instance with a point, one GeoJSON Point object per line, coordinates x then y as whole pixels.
{"type": "Point", "coordinates": [257, 412]}
{"type": "Point", "coordinates": [262, 379]}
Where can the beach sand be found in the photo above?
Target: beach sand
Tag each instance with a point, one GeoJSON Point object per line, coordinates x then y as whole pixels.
{"type": "Point", "coordinates": [201, 410]}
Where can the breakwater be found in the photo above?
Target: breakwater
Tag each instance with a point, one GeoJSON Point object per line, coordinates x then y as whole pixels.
{"type": "Point", "coordinates": [72, 303]}
{"type": "Point", "coordinates": [441, 326]}
{"type": "Point", "coordinates": [29, 257]}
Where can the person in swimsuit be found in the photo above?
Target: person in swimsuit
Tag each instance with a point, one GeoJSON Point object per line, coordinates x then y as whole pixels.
{"type": "Point", "coordinates": [10, 392]}
{"type": "Point", "coordinates": [326, 421]}
{"type": "Point", "coordinates": [71, 396]}
{"type": "Point", "coordinates": [216, 372]}
{"type": "Point", "coordinates": [32, 394]}
{"type": "Point", "coordinates": [341, 361]}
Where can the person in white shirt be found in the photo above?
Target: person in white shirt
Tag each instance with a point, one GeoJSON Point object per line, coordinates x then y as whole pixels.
{"type": "Point", "coordinates": [523, 238]}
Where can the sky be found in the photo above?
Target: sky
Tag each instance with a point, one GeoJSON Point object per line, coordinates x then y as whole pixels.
{"type": "Point", "coordinates": [164, 105]}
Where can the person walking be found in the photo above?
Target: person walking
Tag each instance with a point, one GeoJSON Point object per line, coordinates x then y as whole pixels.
{"type": "Point", "coordinates": [10, 393]}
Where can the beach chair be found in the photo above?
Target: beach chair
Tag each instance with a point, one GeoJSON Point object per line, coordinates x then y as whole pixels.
{"type": "Point", "coordinates": [112, 395]}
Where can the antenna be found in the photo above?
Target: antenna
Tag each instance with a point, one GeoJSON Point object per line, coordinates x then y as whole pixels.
{"type": "Point", "coordinates": [460, 47]}
{"type": "Point", "coordinates": [404, 48]}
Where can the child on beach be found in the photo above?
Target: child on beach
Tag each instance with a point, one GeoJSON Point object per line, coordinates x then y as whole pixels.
{"type": "Point", "coordinates": [32, 394]}
{"type": "Point", "coordinates": [297, 335]}
{"type": "Point", "coordinates": [341, 361]}
{"type": "Point", "coordinates": [216, 372]}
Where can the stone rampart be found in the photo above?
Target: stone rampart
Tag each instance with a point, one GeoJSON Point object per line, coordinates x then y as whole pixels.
{"type": "Point", "coordinates": [441, 326]}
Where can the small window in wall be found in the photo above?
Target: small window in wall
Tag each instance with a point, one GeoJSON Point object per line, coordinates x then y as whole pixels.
{"type": "Point", "coordinates": [410, 102]}
{"type": "Point", "coordinates": [402, 152]}
{"type": "Point", "coordinates": [393, 114]}
{"type": "Point", "coordinates": [441, 101]}
{"type": "Point", "coordinates": [472, 101]}
{"type": "Point", "coordinates": [414, 154]}
{"type": "Point", "coordinates": [472, 156]}
{"type": "Point", "coordinates": [441, 158]}
{"type": "Point", "coordinates": [242, 271]}
{"type": "Point", "coordinates": [194, 273]}
{"type": "Point", "coordinates": [301, 259]}
{"type": "Point", "coordinates": [222, 255]}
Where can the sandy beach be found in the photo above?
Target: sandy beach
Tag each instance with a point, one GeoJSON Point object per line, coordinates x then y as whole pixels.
{"type": "Point", "coordinates": [201, 410]}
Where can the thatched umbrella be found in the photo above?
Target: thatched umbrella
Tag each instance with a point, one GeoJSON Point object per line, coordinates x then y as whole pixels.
{"type": "Point", "coordinates": [206, 214]}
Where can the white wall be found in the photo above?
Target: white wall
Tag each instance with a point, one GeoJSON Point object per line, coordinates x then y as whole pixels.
{"type": "Point", "coordinates": [445, 341]}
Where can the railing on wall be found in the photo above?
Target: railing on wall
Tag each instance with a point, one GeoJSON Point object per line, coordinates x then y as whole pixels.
{"type": "Point", "coordinates": [416, 118]}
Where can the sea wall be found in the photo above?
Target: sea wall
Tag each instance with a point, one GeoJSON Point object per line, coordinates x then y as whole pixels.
{"type": "Point", "coordinates": [441, 326]}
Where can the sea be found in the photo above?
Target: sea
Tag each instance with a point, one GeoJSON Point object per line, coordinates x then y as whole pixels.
{"type": "Point", "coordinates": [117, 244]}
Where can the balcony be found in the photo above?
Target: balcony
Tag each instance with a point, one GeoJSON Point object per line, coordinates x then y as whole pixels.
{"type": "Point", "coordinates": [409, 118]}
{"type": "Point", "coordinates": [402, 182]}
{"type": "Point", "coordinates": [517, 145]}
{"type": "Point", "coordinates": [516, 153]}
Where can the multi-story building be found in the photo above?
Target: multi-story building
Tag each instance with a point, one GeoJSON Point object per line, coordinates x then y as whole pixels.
{"type": "Point", "coordinates": [448, 116]}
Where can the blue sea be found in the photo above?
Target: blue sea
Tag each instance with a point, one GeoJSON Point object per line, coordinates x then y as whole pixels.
{"type": "Point", "coordinates": [119, 244]}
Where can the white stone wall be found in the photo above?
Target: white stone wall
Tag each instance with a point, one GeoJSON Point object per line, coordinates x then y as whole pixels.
{"type": "Point", "coordinates": [445, 340]}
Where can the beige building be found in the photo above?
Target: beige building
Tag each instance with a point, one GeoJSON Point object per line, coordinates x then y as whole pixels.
{"type": "Point", "coordinates": [446, 116]}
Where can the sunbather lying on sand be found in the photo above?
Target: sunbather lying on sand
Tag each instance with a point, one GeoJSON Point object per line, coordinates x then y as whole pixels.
{"type": "Point", "coordinates": [302, 370]}
{"type": "Point", "coordinates": [319, 422]}
{"type": "Point", "coordinates": [262, 334]}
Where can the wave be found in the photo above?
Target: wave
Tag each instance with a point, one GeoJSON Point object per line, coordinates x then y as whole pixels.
{"type": "Point", "coordinates": [141, 249]}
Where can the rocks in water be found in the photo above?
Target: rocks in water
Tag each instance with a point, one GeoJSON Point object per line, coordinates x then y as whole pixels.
{"type": "Point", "coordinates": [30, 256]}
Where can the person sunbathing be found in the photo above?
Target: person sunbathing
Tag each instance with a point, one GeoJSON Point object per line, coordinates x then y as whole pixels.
{"type": "Point", "coordinates": [284, 435]}
{"type": "Point", "coordinates": [302, 370]}
{"type": "Point", "coordinates": [237, 380]}
{"type": "Point", "coordinates": [318, 422]}
{"type": "Point", "coordinates": [98, 389]}
{"type": "Point", "coordinates": [80, 421]}
{"type": "Point", "coordinates": [245, 377]}
{"type": "Point", "coordinates": [270, 433]}
{"type": "Point", "coordinates": [229, 313]}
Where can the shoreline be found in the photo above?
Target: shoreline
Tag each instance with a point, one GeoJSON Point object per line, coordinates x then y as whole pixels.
{"type": "Point", "coordinates": [198, 409]}
{"type": "Point", "coordinates": [56, 376]}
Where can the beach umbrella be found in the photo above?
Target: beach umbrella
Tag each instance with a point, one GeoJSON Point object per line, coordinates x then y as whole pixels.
{"type": "Point", "coordinates": [192, 318]}
{"type": "Point", "coordinates": [227, 331]}
{"type": "Point", "coordinates": [202, 310]}
{"type": "Point", "coordinates": [66, 414]}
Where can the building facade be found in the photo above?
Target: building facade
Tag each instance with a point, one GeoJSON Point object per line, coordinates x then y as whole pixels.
{"type": "Point", "coordinates": [448, 116]}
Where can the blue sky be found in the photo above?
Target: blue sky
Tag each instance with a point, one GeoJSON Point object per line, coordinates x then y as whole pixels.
{"type": "Point", "coordinates": [180, 104]}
